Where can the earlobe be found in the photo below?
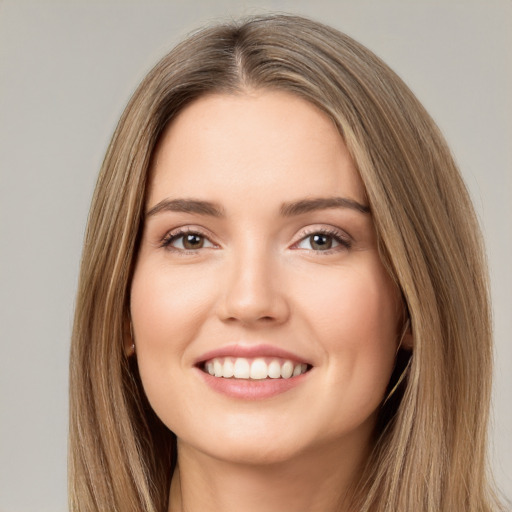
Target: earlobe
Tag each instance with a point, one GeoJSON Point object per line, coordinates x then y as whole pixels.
{"type": "Point", "coordinates": [128, 338]}
{"type": "Point", "coordinates": [408, 341]}
{"type": "Point", "coordinates": [406, 338]}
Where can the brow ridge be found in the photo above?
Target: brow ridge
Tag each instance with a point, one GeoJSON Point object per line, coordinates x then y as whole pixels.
{"type": "Point", "coordinates": [197, 206]}
{"type": "Point", "coordinates": [289, 209]}
{"type": "Point", "coordinates": [321, 203]}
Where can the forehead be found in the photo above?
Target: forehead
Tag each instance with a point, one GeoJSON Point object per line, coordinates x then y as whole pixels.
{"type": "Point", "coordinates": [255, 145]}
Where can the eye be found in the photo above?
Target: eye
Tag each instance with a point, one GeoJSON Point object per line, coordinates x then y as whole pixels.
{"type": "Point", "coordinates": [186, 241]}
{"type": "Point", "coordinates": [322, 241]}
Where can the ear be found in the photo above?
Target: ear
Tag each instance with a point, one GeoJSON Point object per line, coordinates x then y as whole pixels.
{"type": "Point", "coordinates": [408, 341]}
{"type": "Point", "coordinates": [128, 339]}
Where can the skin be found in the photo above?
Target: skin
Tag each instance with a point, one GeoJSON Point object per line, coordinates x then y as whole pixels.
{"type": "Point", "coordinates": [259, 278]}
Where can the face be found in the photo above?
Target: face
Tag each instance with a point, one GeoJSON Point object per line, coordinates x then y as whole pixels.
{"type": "Point", "coordinates": [265, 324]}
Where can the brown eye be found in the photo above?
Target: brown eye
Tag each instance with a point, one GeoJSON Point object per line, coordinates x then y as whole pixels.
{"type": "Point", "coordinates": [193, 241]}
{"type": "Point", "coordinates": [321, 242]}
{"type": "Point", "coordinates": [189, 241]}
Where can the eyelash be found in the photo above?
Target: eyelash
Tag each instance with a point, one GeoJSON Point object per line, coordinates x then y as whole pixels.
{"type": "Point", "coordinates": [343, 240]}
{"type": "Point", "coordinates": [180, 233]}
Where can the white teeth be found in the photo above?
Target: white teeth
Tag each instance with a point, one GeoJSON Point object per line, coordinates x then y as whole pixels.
{"type": "Point", "coordinates": [287, 370]}
{"type": "Point", "coordinates": [274, 369]}
{"type": "Point", "coordinates": [228, 369]}
{"type": "Point", "coordinates": [256, 369]}
{"type": "Point", "coordinates": [242, 369]}
{"type": "Point", "coordinates": [217, 368]}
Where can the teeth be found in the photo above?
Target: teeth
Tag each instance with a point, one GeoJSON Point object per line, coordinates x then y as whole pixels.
{"type": "Point", "coordinates": [217, 368]}
{"type": "Point", "coordinates": [242, 369]}
{"type": "Point", "coordinates": [287, 370]}
{"type": "Point", "coordinates": [259, 369]}
{"type": "Point", "coordinates": [274, 369]}
{"type": "Point", "coordinates": [255, 369]}
{"type": "Point", "coordinates": [228, 369]}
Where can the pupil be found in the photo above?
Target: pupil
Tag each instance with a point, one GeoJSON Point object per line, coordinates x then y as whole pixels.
{"type": "Point", "coordinates": [193, 241]}
{"type": "Point", "coordinates": [321, 242]}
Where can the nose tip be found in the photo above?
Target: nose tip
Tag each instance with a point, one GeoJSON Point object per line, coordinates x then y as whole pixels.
{"type": "Point", "coordinates": [248, 312]}
{"type": "Point", "coordinates": [252, 295]}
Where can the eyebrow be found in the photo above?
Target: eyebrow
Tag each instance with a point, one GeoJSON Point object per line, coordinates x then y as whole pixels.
{"type": "Point", "coordinates": [187, 206]}
{"type": "Point", "coordinates": [290, 209]}
{"type": "Point", "coordinates": [321, 203]}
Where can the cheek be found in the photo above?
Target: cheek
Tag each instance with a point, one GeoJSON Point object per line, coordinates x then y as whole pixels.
{"type": "Point", "coordinates": [166, 305]}
{"type": "Point", "coordinates": [355, 322]}
{"type": "Point", "coordinates": [168, 310]}
{"type": "Point", "coordinates": [358, 306]}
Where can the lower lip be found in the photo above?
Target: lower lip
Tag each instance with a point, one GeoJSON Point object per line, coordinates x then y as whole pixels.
{"type": "Point", "coordinates": [246, 389]}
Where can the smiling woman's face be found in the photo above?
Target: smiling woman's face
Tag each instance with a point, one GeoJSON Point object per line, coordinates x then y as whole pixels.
{"type": "Point", "coordinates": [259, 259]}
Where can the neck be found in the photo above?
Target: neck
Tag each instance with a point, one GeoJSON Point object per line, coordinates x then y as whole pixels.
{"type": "Point", "coordinates": [312, 482]}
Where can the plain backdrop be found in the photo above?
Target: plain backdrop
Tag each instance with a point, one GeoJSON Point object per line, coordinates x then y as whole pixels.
{"type": "Point", "coordinates": [66, 71]}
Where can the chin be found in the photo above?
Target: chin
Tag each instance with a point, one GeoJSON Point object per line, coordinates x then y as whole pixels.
{"type": "Point", "coordinates": [248, 446]}
{"type": "Point", "coordinates": [257, 453]}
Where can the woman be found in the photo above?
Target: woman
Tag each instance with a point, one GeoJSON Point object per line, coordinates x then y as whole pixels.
{"type": "Point", "coordinates": [283, 300]}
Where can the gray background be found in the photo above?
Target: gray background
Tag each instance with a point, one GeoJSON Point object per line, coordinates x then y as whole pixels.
{"type": "Point", "coordinates": [66, 71]}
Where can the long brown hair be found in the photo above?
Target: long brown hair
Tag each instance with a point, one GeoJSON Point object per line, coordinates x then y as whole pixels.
{"type": "Point", "coordinates": [430, 448]}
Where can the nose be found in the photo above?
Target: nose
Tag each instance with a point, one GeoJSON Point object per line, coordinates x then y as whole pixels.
{"type": "Point", "coordinates": [253, 292]}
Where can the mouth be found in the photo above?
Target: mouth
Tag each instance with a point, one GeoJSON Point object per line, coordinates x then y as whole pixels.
{"type": "Point", "coordinates": [256, 368]}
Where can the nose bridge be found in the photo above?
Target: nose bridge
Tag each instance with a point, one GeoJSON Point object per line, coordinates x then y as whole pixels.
{"type": "Point", "coordinates": [251, 290]}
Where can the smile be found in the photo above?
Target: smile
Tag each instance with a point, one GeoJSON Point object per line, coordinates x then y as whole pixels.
{"type": "Point", "coordinates": [253, 368]}
{"type": "Point", "coordinates": [252, 372]}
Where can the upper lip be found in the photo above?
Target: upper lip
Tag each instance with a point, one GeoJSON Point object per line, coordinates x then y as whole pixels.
{"type": "Point", "coordinates": [250, 351]}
